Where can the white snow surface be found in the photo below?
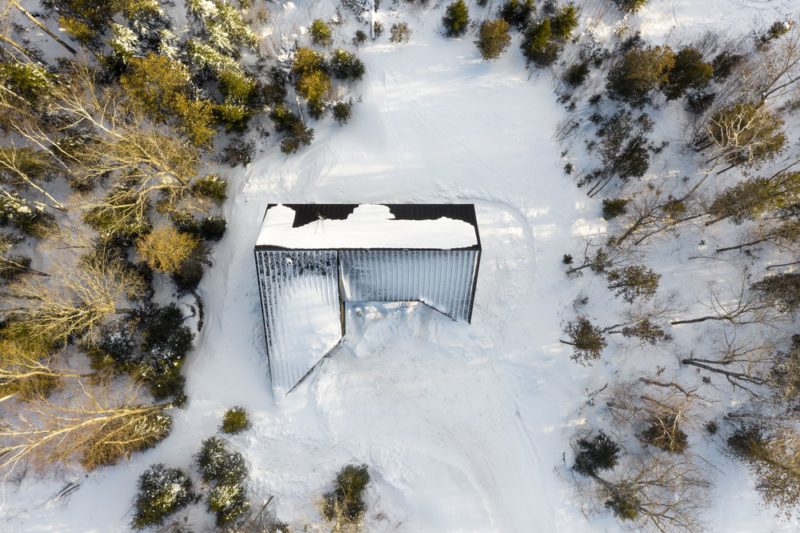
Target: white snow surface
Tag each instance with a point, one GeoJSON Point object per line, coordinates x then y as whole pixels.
{"type": "Point", "coordinates": [368, 226]}
{"type": "Point", "coordinates": [465, 427]}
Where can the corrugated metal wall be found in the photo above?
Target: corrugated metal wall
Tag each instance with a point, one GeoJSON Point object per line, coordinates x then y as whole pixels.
{"type": "Point", "coordinates": [443, 279]}
{"type": "Point", "coordinates": [300, 295]}
{"type": "Point", "coordinates": [308, 283]}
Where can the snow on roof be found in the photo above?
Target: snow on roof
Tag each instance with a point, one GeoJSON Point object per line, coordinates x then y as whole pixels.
{"type": "Point", "coordinates": [367, 226]}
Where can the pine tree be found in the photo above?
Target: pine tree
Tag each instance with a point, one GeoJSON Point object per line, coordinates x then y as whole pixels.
{"type": "Point", "coordinates": [517, 12]}
{"type": "Point", "coordinates": [640, 71]}
{"type": "Point", "coordinates": [493, 38]}
{"type": "Point", "coordinates": [586, 339]}
{"type": "Point", "coordinates": [633, 281]}
{"type": "Point", "coordinates": [456, 19]}
{"type": "Point", "coordinates": [595, 454]}
{"type": "Point", "coordinates": [538, 45]}
{"type": "Point", "coordinates": [689, 72]}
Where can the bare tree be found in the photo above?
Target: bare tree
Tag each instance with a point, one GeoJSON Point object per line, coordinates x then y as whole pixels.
{"type": "Point", "coordinates": [73, 302]}
{"type": "Point", "coordinates": [747, 365]}
{"type": "Point", "coordinates": [100, 426]}
{"type": "Point", "coordinates": [657, 492]}
{"type": "Point", "coordinates": [740, 306]}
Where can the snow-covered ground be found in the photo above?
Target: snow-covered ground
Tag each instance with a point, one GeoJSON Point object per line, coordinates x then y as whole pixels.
{"type": "Point", "coordinates": [464, 427]}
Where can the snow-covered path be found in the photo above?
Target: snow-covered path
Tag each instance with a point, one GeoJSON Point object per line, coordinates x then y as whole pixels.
{"type": "Point", "coordinates": [462, 424]}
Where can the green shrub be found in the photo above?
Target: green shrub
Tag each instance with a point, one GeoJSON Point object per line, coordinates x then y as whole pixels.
{"type": "Point", "coordinates": [576, 74]}
{"type": "Point", "coordinates": [297, 134]}
{"type": "Point", "coordinates": [212, 228]}
{"type": "Point", "coordinates": [212, 187]}
{"type": "Point", "coordinates": [563, 22]}
{"type": "Point", "coordinates": [360, 38]}
{"type": "Point", "coordinates": [345, 65]}
{"type": "Point", "coordinates": [321, 33]}
{"type": "Point", "coordinates": [595, 454]}
{"type": "Point", "coordinates": [456, 19]}
{"type": "Point", "coordinates": [614, 207]}
{"type": "Point", "coordinates": [233, 116]}
{"type": "Point", "coordinates": [237, 88]}
{"type": "Point", "coordinates": [724, 63]}
{"type": "Point", "coordinates": [235, 420]}
{"type": "Point", "coordinates": [630, 6]}
{"type": "Point", "coordinates": [633, 281]}
{"type": "Point", "coordinates": [517, 12]}
{"type": "Point", "coordinates": [345, 503]}
{"type": "Point", "coordinates": [307, 61]}
{"type": "Point", "coordinates": [162, 492]}
{"type": "Point", "coordinates": [493, 38]}
{"type": "Point", "coordinates": [30, 81]}
{"type": "Point", "coordinates": [342, 112]}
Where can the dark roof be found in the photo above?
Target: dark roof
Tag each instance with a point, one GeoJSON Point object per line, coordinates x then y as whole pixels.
{"type": "Point", "coordinates": [308, 213]}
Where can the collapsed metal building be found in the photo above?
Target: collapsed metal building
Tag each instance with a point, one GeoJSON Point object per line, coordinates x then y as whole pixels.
{"type": "Point", "coordinates": [313, 259]}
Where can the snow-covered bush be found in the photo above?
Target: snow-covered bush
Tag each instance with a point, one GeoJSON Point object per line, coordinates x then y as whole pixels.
{"type": "Point", "coordinates": [165, 343]}
{"type": "Point", "coordinates": [226, 471]}
{"type": "Point", "coordinates": [217, 464]}
{"type": "Point", "coordinates": [665, 433]}
{"type": "Point", "coordinates": [27, 218]}
{"type": "Point", "coordinates": [228, 502]}
{"type": "Point", "coordinates": [345, 504]}
{"type": "Point", "coordinates": [399, 33]}
{"type": "Point", "coordinates": [162, 492]}
{"type": "Point", "coordinates": [235, 420]}
{"type": "Point", "coordinates": [28, 80]}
